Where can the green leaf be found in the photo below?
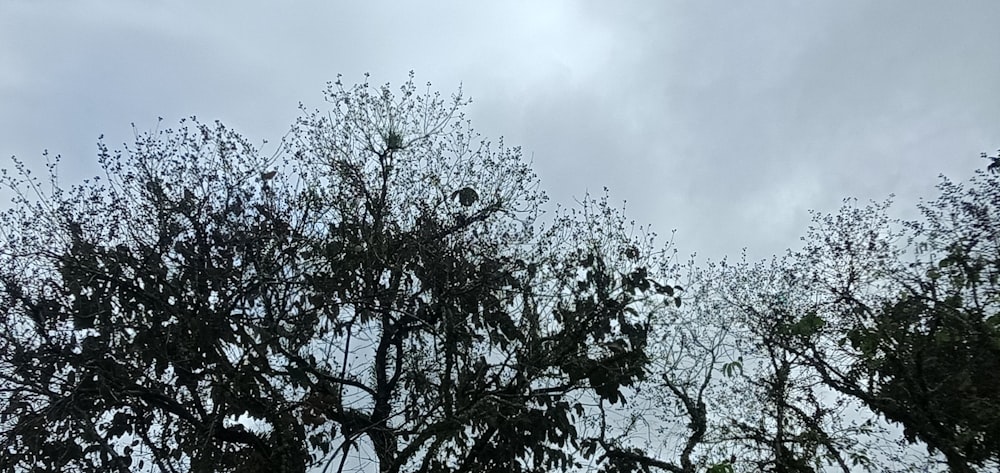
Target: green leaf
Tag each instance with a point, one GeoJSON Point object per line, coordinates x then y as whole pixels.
{"type": "Point", "coordinates": [732, 368]}
{"type": "Point", "coordinates": [808, 325]}
{"type": "Point", "coordinates": [724, 467]}
{"type": "Point", "coordinates": [664, 289]}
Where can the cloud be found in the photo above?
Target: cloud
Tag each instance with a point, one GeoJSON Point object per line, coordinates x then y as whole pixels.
{"type": "Point", "coordinates": [725, 121]}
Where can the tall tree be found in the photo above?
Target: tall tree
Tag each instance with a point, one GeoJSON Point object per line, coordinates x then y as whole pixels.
{"type": "Point", "coordinates": [789, 421]}
{"type": "Point", "coordinates": [906, 320]}
{"type": "Point", "coordinates": [726, 395]}
{"type": "Point", "coordinates": [382, 285]}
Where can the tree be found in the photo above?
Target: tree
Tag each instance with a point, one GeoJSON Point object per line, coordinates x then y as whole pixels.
{"type": "Point", "coordinates": [729, 396]}
{"type": "Point", "coordinates": [386, 287]}
{"type": "Point", "coordinates": [722, 394]}
{"type": "Point", "coordinates": [906, 319]}
{"type": "Point", "coordinates": [789, 422]}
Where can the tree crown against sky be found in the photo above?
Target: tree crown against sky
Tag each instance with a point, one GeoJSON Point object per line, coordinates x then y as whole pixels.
{"type": "Point", "coordinates": [381, 288]}
{"type": "Point", "coordinates": [385, 292]}
{"type": "Point", "coordinates": [901, 316]}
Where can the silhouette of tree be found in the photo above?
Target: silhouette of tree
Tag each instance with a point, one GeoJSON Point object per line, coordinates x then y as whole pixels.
{"type": "Point", "coordinates": [381, 287]}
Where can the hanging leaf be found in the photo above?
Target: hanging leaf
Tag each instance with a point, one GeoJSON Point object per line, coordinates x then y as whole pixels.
{"type": "Point", "coordinates": [664, 289]}
{"type": "Point", "coordinates": [733, 368]}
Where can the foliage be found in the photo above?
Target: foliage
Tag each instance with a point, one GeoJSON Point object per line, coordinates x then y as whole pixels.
{"type": "Point", "coordinates": [778, 417]}
{"type": "Point", "coordinates": [911, 329]}
{"type": "Point", "coordinates": [385, 287]}
{"type": "Point", "coordinates": [724, 394]}
{"type": "Point", "coordinates": [385, 292]}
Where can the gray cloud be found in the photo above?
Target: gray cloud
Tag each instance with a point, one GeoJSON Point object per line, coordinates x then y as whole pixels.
{"type": "Point", "coordinates": [723, 120]}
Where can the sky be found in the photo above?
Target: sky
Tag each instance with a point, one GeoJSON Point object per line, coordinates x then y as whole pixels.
{"type": "Point", "coordinates": [724, 121]}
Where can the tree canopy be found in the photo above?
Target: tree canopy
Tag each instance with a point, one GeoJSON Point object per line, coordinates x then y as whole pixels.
{"type": "Point", "coordinates": [906, 317]}
{"type": "Point", "coordinates": [383, 286]}
{"type": "Point", "coordinates": [386, 292]}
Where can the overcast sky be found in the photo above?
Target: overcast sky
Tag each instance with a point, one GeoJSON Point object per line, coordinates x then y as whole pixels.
{"type": "Point", "coordinates": [723, 120]}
